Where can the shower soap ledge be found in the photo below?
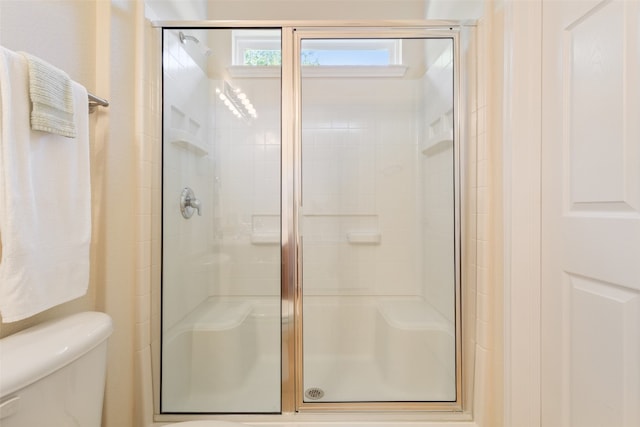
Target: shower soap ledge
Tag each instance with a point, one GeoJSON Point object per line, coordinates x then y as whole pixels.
{"type": "Point", "coordinates": [364, 237]}
{"type": "Point", "coordinates": [265, 238]}
{"type": "Point", "coordinates": [438, 144]}
{"type": "Point", "coordinates": [187, 141]}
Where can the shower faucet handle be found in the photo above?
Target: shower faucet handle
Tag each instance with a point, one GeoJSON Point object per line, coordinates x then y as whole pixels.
{"type": "Point", "coordinates": [195, 204]}
{"type": "Point", "coordinates": [189, 203]}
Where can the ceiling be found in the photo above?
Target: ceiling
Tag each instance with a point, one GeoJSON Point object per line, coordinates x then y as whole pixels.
{"type": "Point", "coordinates": [169, 10]}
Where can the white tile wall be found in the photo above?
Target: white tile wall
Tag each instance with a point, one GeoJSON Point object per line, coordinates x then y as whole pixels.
{"type": "Point", "coordinates": [246, 190]}
{"type": "Point", "coordinates": [147, 225]}
{"type": "Point", "coordinates": [186, 242]}
{"type": "Point", "coordinates": [437, 194]}
{"type": "Point", "coordinates": [485, 292]}
{"type": "Point", "coordinates": [359, 175]}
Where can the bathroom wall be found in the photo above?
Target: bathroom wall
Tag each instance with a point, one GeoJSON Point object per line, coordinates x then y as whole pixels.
{"type": "Point", "coordinates": [488, 116]}
{"type": "Point", "coordinates": [36, 28]}
{"type": "Point", "coordinates": [93, 41]}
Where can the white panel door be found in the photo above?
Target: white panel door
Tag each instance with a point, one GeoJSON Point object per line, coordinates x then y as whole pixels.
{"type": "Point", "coordinates": [591, 214]}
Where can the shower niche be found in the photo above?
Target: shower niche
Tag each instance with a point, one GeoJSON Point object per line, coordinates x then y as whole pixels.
{"type": "Point", "coordinates": [323, 270]}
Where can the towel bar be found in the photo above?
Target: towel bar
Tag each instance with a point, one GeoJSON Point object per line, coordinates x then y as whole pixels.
{"type": "Point", "coordinates": [95, 102]}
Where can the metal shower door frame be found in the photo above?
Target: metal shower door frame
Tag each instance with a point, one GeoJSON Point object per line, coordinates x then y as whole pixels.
{"type": "Point", "coordinates": [292, 115]}
{"type": "Point", "coordinates": [292, 32]}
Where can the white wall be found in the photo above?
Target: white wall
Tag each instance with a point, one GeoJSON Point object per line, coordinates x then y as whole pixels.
{"type": "Point", "coordinates": [36, 28]}
{"type": "Point", "coordinates": [437, 185]}
{"type": "Point", "coordinates": [187, 163]}
{"type": "Point", "coordinates": [363, 172]}
{"type": "Point", "coordinates": [95, 43]}
{"type": "Point", "coordinates": [359, 176]}
{"type": "Point", "coordinates": [247, 185]}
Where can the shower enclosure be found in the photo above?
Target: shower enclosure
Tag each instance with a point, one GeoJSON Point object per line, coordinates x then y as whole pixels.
{"type": "Point", "coordinates": [311, 219]}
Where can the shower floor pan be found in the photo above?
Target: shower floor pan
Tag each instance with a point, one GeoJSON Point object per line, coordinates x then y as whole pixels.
{"type": "Point", "coordinates": [256, 394]}
{"type": "Point", "coordinates": [377, 351]}
{"type": "Point", "coordinates": [359, 379]}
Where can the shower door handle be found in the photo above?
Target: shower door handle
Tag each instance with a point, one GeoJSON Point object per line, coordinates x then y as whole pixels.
{"type": "Point", "coordinates": [189, 203]}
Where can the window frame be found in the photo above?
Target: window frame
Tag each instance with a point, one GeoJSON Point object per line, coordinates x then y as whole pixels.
{"type": "Point", "coordinates": [243, 40]}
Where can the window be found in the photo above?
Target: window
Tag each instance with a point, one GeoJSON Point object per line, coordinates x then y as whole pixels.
{"type": "Point", "coordinates": [262, 48]}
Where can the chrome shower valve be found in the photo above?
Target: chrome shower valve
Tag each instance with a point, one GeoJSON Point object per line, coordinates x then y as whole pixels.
{"type": "Point", "coordinates": [189, 203]}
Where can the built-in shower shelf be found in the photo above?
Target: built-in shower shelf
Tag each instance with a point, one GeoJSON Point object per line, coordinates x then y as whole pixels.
{"type": "Point", "coordinates": [364, 237]}
{"type": "Point", "coordinates": [188, 142]}
{"type": "Point", "coordinates": [438, 143]}
{"type": "Point", "coordinates": [439, 135]}
{"type": "Point", "coordinates": [265, 238]}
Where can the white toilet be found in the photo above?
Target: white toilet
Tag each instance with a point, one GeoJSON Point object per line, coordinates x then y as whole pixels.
{"type": "Point", "coordinates": [53, 374]}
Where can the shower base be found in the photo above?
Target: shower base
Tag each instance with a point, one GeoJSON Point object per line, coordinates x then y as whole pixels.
{"type": "Point", "coordinates": [225, 356]}
{"type": "Point", "coordinates": [360, 379]}
{"type": "Point", "coordinates": [255, 394]}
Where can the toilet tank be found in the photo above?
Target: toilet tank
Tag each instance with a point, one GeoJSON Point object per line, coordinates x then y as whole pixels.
{"type": "Point", "coordinates": [53, 374]}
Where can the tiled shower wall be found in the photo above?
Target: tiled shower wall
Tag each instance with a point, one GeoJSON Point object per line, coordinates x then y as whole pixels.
{"type": "Point", "coordinates": [246, 188]}
{"type": "Point", "coordinates": [360, 176]}
{"type": "Point", "coordinates": [358, 166]}
{"type": "Point", "coordinates": [186, 164]}
{"type": "Point", "coordinates": [148, 262]}
{"type": "Point", "coordinates": [437, 188]}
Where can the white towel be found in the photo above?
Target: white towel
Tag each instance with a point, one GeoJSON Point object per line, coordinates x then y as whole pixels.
{"type": "Point", "coordinates": [51, 93]}
{"type": "Point", "coordinates": [45, 201]}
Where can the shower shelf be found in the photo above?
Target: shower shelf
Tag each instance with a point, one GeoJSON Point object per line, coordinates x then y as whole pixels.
{"type": "Point", "coordinates": [438, 143]}
{"type": "Point", "coordinates": [440, 134]}
{"type": "Point", "coordinates": [364, 237]}
{"type": "Point", "coordinates": [265, 238]}
{"type": "Point", "coordinates": [186, 141]}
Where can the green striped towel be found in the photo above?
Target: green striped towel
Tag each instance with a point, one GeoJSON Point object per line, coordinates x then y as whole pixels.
{"type": "Point", "coordinates": [51, 98]}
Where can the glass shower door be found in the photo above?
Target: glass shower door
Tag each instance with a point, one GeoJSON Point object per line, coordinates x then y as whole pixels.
{"type": "Point", "coordinates": [339, 246]}
{"type": "Point", "coordinates": [378, 220]}
{"type": "Point", "coordinates": [221, 223]}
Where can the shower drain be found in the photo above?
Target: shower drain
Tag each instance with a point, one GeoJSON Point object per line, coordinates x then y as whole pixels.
{"type": "Point", "coordinates": [314, 393]}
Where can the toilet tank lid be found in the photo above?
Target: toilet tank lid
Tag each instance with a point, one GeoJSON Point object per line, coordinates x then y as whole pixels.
{"type": "Point", "coordinates": [34, 353]}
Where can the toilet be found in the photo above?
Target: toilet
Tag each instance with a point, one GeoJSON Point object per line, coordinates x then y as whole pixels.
{"type": "Point", "coordinates": [53, 374]}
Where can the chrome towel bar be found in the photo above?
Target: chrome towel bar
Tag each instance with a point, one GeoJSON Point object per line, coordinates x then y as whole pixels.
{"type": "Point", "coordinates": [95, 102]}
